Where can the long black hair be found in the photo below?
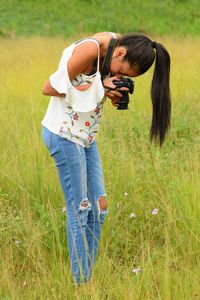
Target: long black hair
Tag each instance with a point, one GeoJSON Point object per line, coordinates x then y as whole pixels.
{"type": "Point", "coordinates": [141, 53]}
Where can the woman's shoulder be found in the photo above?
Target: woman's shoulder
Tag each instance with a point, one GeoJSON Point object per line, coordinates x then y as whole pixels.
{"type": "Point", "coordinates": [105, 36]}
{"type": "Point", "coordinates": [103, 39]}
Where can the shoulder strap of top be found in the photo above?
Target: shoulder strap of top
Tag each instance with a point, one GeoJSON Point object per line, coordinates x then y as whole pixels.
{"type": "Point", "coordinates": [96, 42]}
{"type": "Point", "coordinates": [113, 34]}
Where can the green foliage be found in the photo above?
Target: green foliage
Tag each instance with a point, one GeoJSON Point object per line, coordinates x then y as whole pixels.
{"type": "Point", "coordinates": [66, 18]}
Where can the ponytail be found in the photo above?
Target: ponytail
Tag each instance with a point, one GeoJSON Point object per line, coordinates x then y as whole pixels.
{"type": "Point", "coordinates": [142, 52]}
{"type": "Point", "coordinates": [160, 95]}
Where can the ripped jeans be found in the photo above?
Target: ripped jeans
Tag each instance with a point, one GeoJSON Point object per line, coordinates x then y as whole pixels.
{"type": "Point", "coordinates": [81, 178]}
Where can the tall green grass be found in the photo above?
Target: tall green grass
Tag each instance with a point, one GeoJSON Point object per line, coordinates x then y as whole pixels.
{"type": "Point", "coordinates": [67, 18]}
{"type": "Point", "coordinates": [138, 176]}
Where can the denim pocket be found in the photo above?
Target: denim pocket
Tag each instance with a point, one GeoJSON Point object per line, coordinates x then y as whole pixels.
{"type": "Point", "coordinates": [47, 137]}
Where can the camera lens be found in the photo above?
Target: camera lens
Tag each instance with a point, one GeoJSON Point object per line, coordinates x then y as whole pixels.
{"type": "Point", "coordinates": [122, 106]}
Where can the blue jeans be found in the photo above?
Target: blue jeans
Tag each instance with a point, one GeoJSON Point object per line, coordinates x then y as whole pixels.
{"type": "Point", "coordinates": [81, 178]}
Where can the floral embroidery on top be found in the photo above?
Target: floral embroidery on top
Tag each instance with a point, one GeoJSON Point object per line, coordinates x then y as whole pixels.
{"type": "Point", "coordinates": [75, 116]}
{"type": "Point", "coordinates": [92, 128]}
{"type": "Point", "coordinates": [97, 110]}
{"type": "Point", "coordinates": [79, 127]}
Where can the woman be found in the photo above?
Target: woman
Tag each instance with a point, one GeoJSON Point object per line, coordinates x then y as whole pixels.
{"type": "Point", "coordinates": [72, 122]}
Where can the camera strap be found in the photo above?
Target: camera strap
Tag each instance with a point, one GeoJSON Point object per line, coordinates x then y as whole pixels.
{"type": "Point", "coordinates": [107, 59]}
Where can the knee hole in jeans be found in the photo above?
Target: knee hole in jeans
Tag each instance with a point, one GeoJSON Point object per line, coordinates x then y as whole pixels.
{"type": "Point", "coordinates": [85, 204]}
{"type": "Point", "coordinates": [84, 208]}
{"type": "Point", "coordinates": [102, 203]}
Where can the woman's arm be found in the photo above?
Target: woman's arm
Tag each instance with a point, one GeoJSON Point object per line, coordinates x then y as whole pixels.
{"type": "Point", "coordinates": [48, 90]}
{"type": "Point", "coordinates": [82, 61]}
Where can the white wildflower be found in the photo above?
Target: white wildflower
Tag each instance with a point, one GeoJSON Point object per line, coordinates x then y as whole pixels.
{"type": "Point", "coordinates": [154, 211]}
{"type": "Point", "coordinates": [125, 194]}
{"type": "Point", "coordinates": [25, 283]}
{"type": "Point", "coordinates": [18, 242]}
{"type": "Point", "coordinates": [63, 209]}
{"type": "Point", "coordinates": [136, 270]}
{"type": "Point", "coordinates": [132, 215]}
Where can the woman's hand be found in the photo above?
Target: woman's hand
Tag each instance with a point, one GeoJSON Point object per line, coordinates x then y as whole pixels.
{"type": "Point", "coordinates": [114, 95]}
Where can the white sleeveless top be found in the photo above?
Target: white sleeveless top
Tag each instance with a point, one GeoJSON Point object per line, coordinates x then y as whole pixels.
{"type": "Point", "coordinates": [76, 117]}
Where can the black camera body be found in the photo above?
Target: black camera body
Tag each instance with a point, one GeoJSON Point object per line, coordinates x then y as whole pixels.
{"type": "Point", "coordinates": [124, 100]}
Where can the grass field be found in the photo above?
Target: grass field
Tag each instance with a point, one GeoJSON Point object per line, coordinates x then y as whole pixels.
{"type": "Point", "coordinates": [165, 246]}
{"type": "Point", "coordinates": [66, 18]}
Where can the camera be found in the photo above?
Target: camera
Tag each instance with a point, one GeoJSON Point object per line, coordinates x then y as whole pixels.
{"type": "Point", "coordinates": [124, 100]}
